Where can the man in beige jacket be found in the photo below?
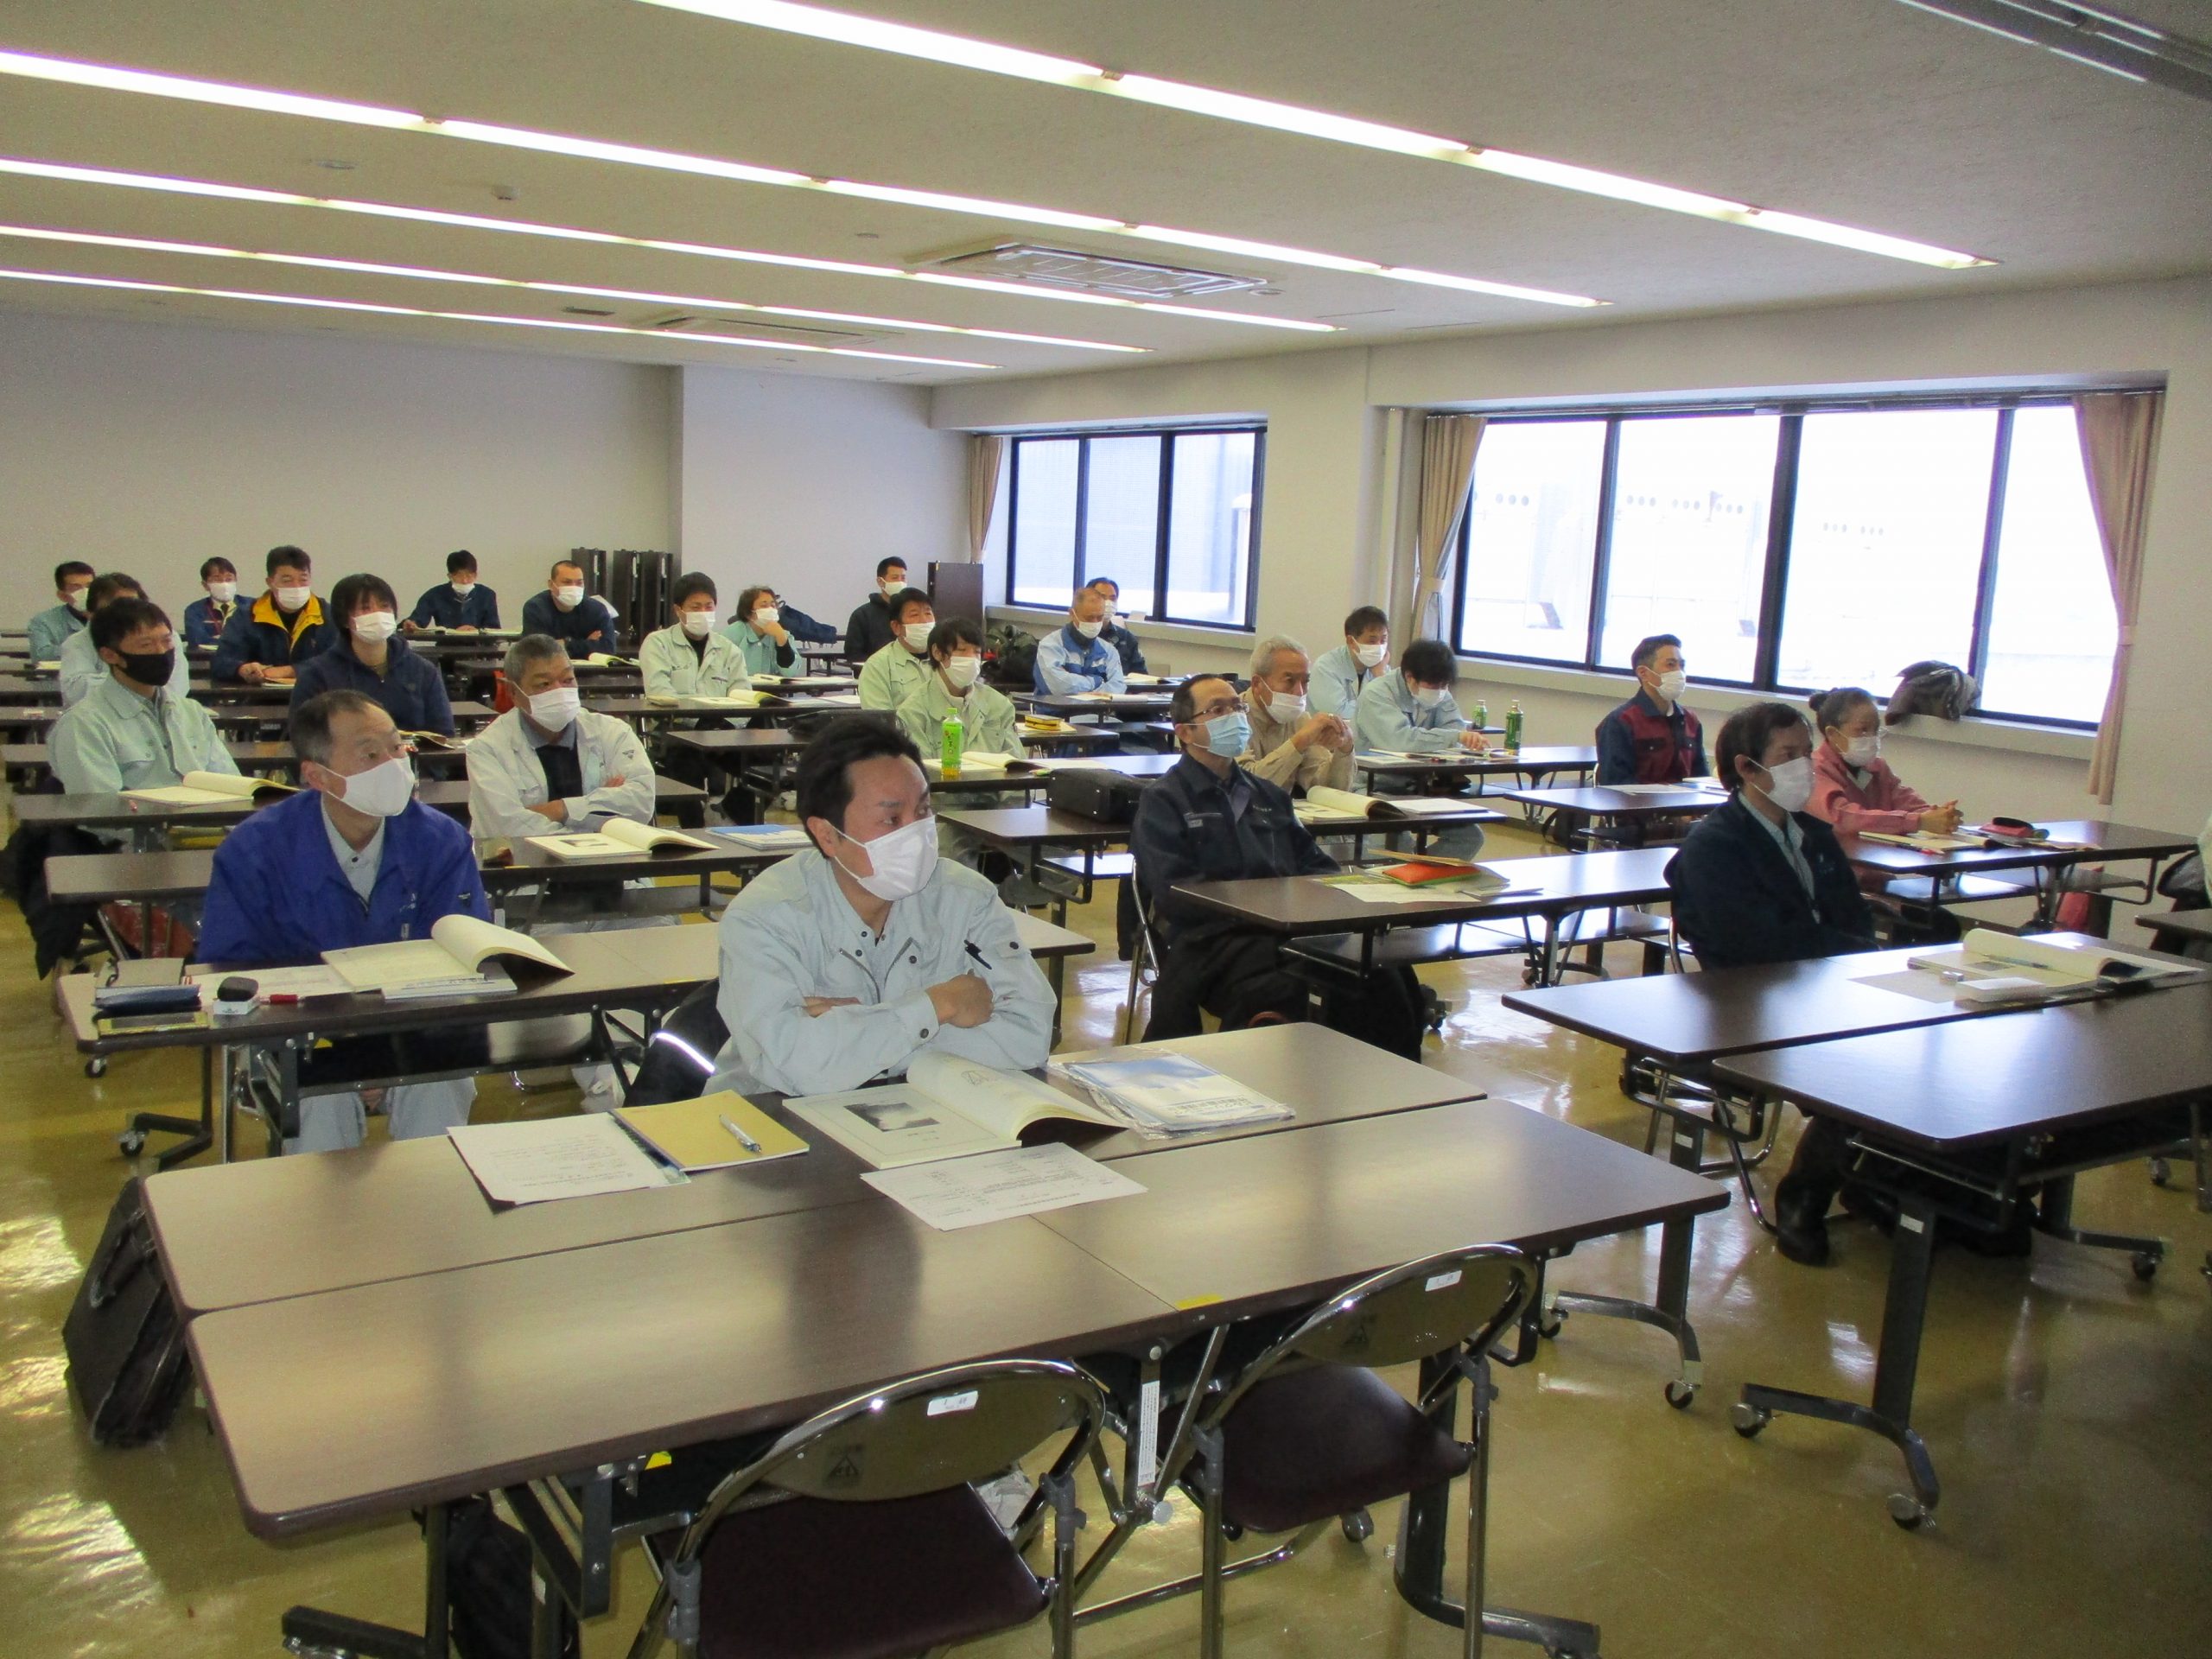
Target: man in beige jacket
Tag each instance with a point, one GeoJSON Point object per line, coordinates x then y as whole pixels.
{"type": "Point", "coordinates": [1289, 747]}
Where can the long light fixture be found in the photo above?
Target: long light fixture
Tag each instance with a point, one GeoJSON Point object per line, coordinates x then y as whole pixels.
{"type": "Point", "coordinates": [2096, 35]}
{"type": "Point", "coordinates": [71, 279]}
{"type": "Point", "coordinates": [371, 268]}
{"type": "Point", "coordinates": [903, 40]}
{"type": "Point", "coordinates": [99, 176]}
{"type": "Point", "coordinates": [109, 77]}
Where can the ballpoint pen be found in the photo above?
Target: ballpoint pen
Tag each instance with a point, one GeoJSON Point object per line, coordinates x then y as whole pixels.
{"type": "Point", "coordinates": [980, 962]}
{"type": "Point", "coordinates": [743, 1139]}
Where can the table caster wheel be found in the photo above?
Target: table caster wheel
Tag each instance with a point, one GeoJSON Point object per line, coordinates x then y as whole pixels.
{"type": "Point", "coordinates": [1548, 1321]}
{"type": "Point", "coordinates": [1908, 1511]}
{"type": "Point", "coordinates": [133, 1141]}
{"type": "Point", "coordinates": [96, 1067]}
{"type": "Point", "coordinates": [1359, 1526]}
{"type": "Point", "coordinates": [2161, 1172]}
{"type": "Point", "coordinates": [2145, 1265]}
{"type": "Point", "coordinates": [1747, 1421]}
{"type": "Point", "coordinates": [1680, 1394]}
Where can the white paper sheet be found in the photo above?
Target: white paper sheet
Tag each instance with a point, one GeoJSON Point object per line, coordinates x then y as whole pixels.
{"type": "Point", "coordinates": [319, 979]}
{"type": "Point", "coordinates": [997, 1186]}
{"type": "Point", "coordinates": [556, 1158]}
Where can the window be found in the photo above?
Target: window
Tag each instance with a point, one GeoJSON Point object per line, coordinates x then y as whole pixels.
{"type": "Point", "coordinates": [1819, 545]}
{"type": "Point", "coordinates": [1171, 516]}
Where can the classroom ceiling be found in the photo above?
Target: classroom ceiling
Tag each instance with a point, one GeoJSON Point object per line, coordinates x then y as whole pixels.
{"type": "Point", "coordinates": [1867, 112]}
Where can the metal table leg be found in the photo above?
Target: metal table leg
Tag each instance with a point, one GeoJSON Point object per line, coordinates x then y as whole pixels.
{"type": "Point", "coordinates": [310, 1629]}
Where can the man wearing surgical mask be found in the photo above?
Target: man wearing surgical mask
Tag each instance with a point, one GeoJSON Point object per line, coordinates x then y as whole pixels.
{"type": "Point", "coordinates": [690, 658]}
{"type": "Point", "coordinates": [1072, 659]}
{"type": "Point", "coordinates": [762, 633]}
{"type": "Point", "coordinates": [353, 859]}
{"type": "Point", "coordinates": [1342, 673]}
{"type": "Point", "coordinates": [1652, 738]}
{"type": "Point", "coordinates": [368, 658]}
{"type": "Point", "coordinates": [206, 617]}
{"type": "Point", "coordinates": [1760, 880]}
{"type": "Point", "coordinates": [565, 611]}
{"type": "Point", "coordinates": [549, 766]}
{"type": "Point", "coordinates": [1290, 745]}
{"type": "Point", "coordinates": [901, 668]}
{"type": "Point", "coordinates": [870, 628]}
{"type": "Point", "coordinates": [264, 642]}
{"type": "Point", "coordinates": [842, 963]}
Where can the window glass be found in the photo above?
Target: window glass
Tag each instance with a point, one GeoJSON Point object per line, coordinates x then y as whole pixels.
{"type": "Point", "coordinates": [1210, 528]}
{"type": "Point", "coordinates": [1689, 534]}
{"type": "Point", "coordinates": [1885, 545]}
{"type": "Point", "coordinates": [1042, 560]}
{"type": "Point", "coordinates": [1531, 538]}
{"type": "Point", "coordinates": [1121, 506]}
{"type": "Point", "coordinates": [2051, 628]}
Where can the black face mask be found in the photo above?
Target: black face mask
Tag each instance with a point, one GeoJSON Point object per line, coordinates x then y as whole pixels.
{"type": "Point", "coordinates": [149, 667]}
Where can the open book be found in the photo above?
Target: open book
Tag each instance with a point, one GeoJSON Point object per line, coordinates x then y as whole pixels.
{"type": "Point", "coordinates": [985, 761]}
{"type": "Point", "coordinates": [703, 700]}
{"type": "Point", "coordinates": [1323, 802]}
{"type": "Point", "coordinates": [1173, 1094]}
{"type": "Point", "coordinates": [607, 659]}
{"type": "Point", "coordinates": [620, 838]}
{"type": "Point", "coordinates": [452, 962]}
{"type": "Point", "coordinates": [214, 789]}
{"type": "Point", "coordinates": [434, 740]}
{"type": "Point", "coordinates": [765, 837]}
{"type": "Point", "coordinates": [947, 1108]}
{"type": "Point", "coordinates": [1985, 956]}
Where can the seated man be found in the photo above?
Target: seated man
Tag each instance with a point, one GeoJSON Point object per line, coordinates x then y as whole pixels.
{"type": "Point", "coordinates": [133, 727]}
{"type": "Point", "coordinates": [688, 658]}
{"type": "Point", "coordinates": [1760, 880]}
{"type": "Point", "coordinates": [566, 613]}
{"type": "Point", "coordinates": [839, 965]}
{"type": "Point", "coordinates": [282, 629]}
{"type": "Point", "coordinates": [549, 766]}
{"type": "Point", "coordinates": [83, 667]}
{"type": "Point", "coordinates": [364, 657]}
{"type": "Point", "coordinates": [206, 617]}
{"type": "Point", "coordinates": [1126, 644]}
{"type": "Point", "coordinates": [1409, 710]}
{"type": "Point", "coordinates": [954, 686]}
{"type": "Point", "coordinates": [901, 668]}
{"type": "Point", "coordinates": [762, 633]}
{"type": "Point", "coordinates": [353, 859]}
{"type": "Point", "coordinates": [1073, 659]}
{"type": "Point", "coordinates": [51, 628]}
{"type": "Point", "coordinates": [460, 603]}
{"type": "Point", "coordinates": [1290, 747]}
{"type": "Point", "coordinates": [1341, 674]}
{"type": "Point", "coordinates": [1652, 738]}
{"type": "Point", "coordinates": [870, 628]}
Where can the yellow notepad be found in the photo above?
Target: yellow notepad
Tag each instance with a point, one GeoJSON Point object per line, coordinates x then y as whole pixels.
{"type": "Point", "coordinates": [690, 1133]}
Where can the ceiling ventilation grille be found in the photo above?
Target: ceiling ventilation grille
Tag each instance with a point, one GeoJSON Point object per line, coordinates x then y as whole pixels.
{"type": "Point", "coordinates": [743, 328]}
{"type": "Point", "coordinates": [1093, 273]}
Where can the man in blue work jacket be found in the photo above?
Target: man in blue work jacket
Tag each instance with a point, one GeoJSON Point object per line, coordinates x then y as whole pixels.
{"type": "Point", "coordinates": [1072, 659]}
{"type": "Point", "coordinates": [354, 859]}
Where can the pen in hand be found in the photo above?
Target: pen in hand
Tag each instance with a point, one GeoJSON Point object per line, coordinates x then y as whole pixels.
{"type": "Point", "coordinates": [743, 1139]}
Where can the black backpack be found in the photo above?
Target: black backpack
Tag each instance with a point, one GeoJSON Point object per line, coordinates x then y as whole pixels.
{"type": "Point", "coordinates": [488, 1588]}
{"type": "Point", "coordinates": [127, 1362]}
{"type": "Point", "coordinates": [1014, 657]}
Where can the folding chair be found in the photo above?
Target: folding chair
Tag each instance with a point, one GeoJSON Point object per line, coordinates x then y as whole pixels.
{"type": "Point", "coordinates": [858, 1533]}
{"type": "Point", "coordinates": [1307, 1433]}
{"type": "Point", "coordinates": [1144, 959]}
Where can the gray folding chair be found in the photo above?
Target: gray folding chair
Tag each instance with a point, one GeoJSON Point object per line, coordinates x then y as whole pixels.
{"type": "Point", "coordinates": [859, 1533]}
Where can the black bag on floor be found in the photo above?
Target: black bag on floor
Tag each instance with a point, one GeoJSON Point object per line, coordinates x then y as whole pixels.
{"type": "Point", "coordinates": [127, 1363]}
{"type": "Point", "coordinates": [1386, 1008]}
{"type": "Point", "coordinates": [488, 1586]}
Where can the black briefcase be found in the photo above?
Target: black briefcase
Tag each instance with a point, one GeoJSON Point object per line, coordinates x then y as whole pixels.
{"type": "Point", "coordinates": [127, 1362]}
{"type": "Point", "coordinates": [1109, 796]}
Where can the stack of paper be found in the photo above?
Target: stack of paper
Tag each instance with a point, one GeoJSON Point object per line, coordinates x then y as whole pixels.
{"type": "Point", "coordinates": [767, 837]}
{"type": "Point", "coordinates": [1172, 1094]}
{"type": "Point", "coordinates": [999, 1185]}
{"type": "Point", "coordinates": [556, 1158]}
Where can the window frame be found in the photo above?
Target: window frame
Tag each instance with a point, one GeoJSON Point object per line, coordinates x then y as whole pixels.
{"type": "Point", "coordinates": [1163, 525]}
{"type": "Point", "coordinates": [1781, 514]}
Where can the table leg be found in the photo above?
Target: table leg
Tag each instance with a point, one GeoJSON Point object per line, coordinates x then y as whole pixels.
{"type": "Point", "coordinates": [310, 1629]}
{"type": "Point", "coordinates": [225, 1082]}
{"type": "Point", "coordinates": [1897, 1365]}
{"type": "Point", "coordinates": [2055, 1216]}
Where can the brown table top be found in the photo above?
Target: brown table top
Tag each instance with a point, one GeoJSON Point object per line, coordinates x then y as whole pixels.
{"type": "Point", "coordinates": [2182, 924]}
{"type": "Point", "coordinates": [1599, 801]}
{"type": "Point", "coordinates": [2029, 1072]}
{"type": "Point", "coordinates": [253, 756]}
{"type": "Point", "coordinates": [1563, 882]}
{"type": "Point", "coordinates": [1529, 758]}
{"type": "Point", "coordinates": [715, 741]}
{"type": "Point", "coordinates": [1035, 826]}
{"type": "Point", "coordinates": [1698, 1016]}
{"type": "Point", "coordinates": [449, 795]}
{"type": "Point", "coordinates": [2099, 841]}
{"type": "Point", "coordinates": [1134, 702]}
{"type": "Point", "coordinates": [491, 1375]}
{"type": "Point", "coordinates": [1272, 1221]}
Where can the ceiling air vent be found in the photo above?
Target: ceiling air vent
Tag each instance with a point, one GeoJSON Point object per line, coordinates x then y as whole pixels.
{"type": "Point", "coordinates": [1093, 273]}
{"type": "Point", "coordinates": [743, 328]}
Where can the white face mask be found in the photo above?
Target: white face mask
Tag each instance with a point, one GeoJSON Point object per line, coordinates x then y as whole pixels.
{"type": "Point", "coordinates": [222, 592]}
{"type": "Point", "coordinates": [1089, 630]}
{"type": "Point", "coordinates": [698, 624]}
{"type": "Point", "coordinates": [1372, 656]}
{"type": "Point", "coordinates": [382, 792]}
{"type": "Point", "coordinates": [1790, 786]}
{"type": "Point", "coordinates": [1863, 751]}
{"type": "Point", "coordinates": [463, 588]}
{"type": "Point", "coordinates": [1284, 707]}
{"type": "Point", "coordinates": [569, 595]}
{"type": "Point", "coordinates": [76, 599]}
{"type": "Point", "coordinates": [294, 599]}
{"type": "Point", "coordinates": [374, 627]}
{"type": "Point", "coordinates": [1671, 684]}
{"type": "Point", "coordinates": [961, 672]}
{"type": "Point", "coordinates": [903, 861]}
{"type": "Point", "coordinates": [555, 711]}
{"type": "Point", "coordinates": [893, 586]}
{"type": "Point", "coordinates": [917, 636]}
{"type": "Point", "coordinates": [766, 617]}
{"type": "Point", "coordinates": [1432, 696]}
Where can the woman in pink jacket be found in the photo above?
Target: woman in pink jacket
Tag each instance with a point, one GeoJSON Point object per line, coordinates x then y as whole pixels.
{"type": "Point", "coordinates": [1853, 788]}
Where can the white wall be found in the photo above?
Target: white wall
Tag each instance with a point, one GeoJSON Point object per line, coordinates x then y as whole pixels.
{"type": "Point", "coordinates": [805, 484]}
{"type": "Point", "coordinates": [149, 447]}
{"type": "Point", "coordinates": [1332, 516]}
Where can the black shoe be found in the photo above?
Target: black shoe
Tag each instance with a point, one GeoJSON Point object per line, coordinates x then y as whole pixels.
{"type": "Point", "coordinates": [1867, 1204]}
{"type": "Point", "coordinates": [1801, 1230]}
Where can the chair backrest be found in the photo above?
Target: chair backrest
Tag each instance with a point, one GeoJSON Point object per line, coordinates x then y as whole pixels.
{"type": "Point", "coordinates": [939, 1429]}
{"type": "Point", "coordinates": [680, 1055]}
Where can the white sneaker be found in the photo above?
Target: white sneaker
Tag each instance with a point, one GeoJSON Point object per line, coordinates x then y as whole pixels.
{"type": "Point", "coordinates": [598, 1084]}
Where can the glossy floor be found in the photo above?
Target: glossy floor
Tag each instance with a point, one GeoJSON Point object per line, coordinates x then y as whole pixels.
{"type": "Point", "coordinates": [2070, 1409]}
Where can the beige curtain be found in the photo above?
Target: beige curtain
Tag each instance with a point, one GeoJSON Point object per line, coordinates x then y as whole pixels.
{"type": "Point", "coordinates": [2120, 435]}
{"type": "Point", "coordinates": [985, 455]}
{"type": "Point", "coordinates": [1447, 463]}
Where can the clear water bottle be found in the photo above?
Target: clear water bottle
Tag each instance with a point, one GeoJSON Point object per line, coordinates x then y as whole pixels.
{"type": "Point", "coordinates": [949, 745]}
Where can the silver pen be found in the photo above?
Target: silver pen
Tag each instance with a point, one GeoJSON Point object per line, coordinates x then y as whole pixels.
{"type": "Point", "coordinates": [743, 1139]}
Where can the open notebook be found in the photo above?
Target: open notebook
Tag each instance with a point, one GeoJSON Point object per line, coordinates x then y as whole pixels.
{"type": "Point", "coordinates": [462, 957]}
{"type": "Point", "coordinates": [1324, 803]}
{"type": "Point", "coordinates": [213, 789]}
{"type": "Point", "coordinates": [621, 838]}
{"type": "Point", "coordinates": [985, 761]}
{"type": "Point", "coordinates": [947, 1108]}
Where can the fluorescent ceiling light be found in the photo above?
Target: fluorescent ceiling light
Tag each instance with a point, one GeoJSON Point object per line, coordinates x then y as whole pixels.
{"type": "Point", "coordinates": [157, 182]}
{"type": "Point", "coordinates": [109, 79]}
{"type": "Point", "coordinates": [73, 280]}
{"type": "Point", "coordinates": [846, 29]}
{"type": "Point", "coordinates": [88, 238]}
{"type": "Point", "coordinates": [2092, 35]}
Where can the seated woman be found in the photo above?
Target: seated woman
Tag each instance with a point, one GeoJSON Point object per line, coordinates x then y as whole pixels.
{"type": "Point", "coordinates": [1760, 880]}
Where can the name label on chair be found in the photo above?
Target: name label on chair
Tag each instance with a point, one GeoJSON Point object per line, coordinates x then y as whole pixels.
{"type": "Point", "coordinates": [1442, 1280]}
{"type": "Point", "coordinates": [949, 1402]}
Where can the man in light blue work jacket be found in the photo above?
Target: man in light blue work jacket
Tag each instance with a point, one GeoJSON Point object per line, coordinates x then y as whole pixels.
{"type": "Point", "coordinates": [1073, 659]}
{"type": "Point", "coordinates": [841, 964]}
{"type": "Point", "coordinates": [1410, 710]}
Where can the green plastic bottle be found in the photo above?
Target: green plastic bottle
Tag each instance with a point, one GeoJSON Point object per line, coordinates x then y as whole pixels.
{"type": "Point", "coordinates": [1482, 715]}
{"type": "Point", "coordinates": [1513, 727]}
{"type": "Point", "coordinates": [949, 745]}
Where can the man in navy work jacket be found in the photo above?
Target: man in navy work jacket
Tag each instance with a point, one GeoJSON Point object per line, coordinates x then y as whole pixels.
{"type": "Point", "coordinates": [565, 611]}
{"type": "Point", "coordinates": [1652, 738]}
{"type": "Point", "coordinates": [353, 859]}
{"type": "Point", "coordinates": [1761, 879]}
{"type": "Point", "coordinates": [368, 658]}
{"type": "Point", "coordinates": [264, 641]}
{"type": "Point", "coordinates": [460, 602]}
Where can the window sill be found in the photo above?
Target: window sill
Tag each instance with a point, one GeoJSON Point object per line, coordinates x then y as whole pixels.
{"type": "Point", "coordinates": [2019, 737]}
{"type": "Point", "coordinates": [1184, 634]}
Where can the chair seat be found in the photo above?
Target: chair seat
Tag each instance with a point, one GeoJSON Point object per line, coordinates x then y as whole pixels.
{"type": "Point", "coordinates": [1104, 866]}
{"type": "Point", "coordinates": [1310, 1444]}
{"type": "Point", "coordinates": [810, 1579]}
